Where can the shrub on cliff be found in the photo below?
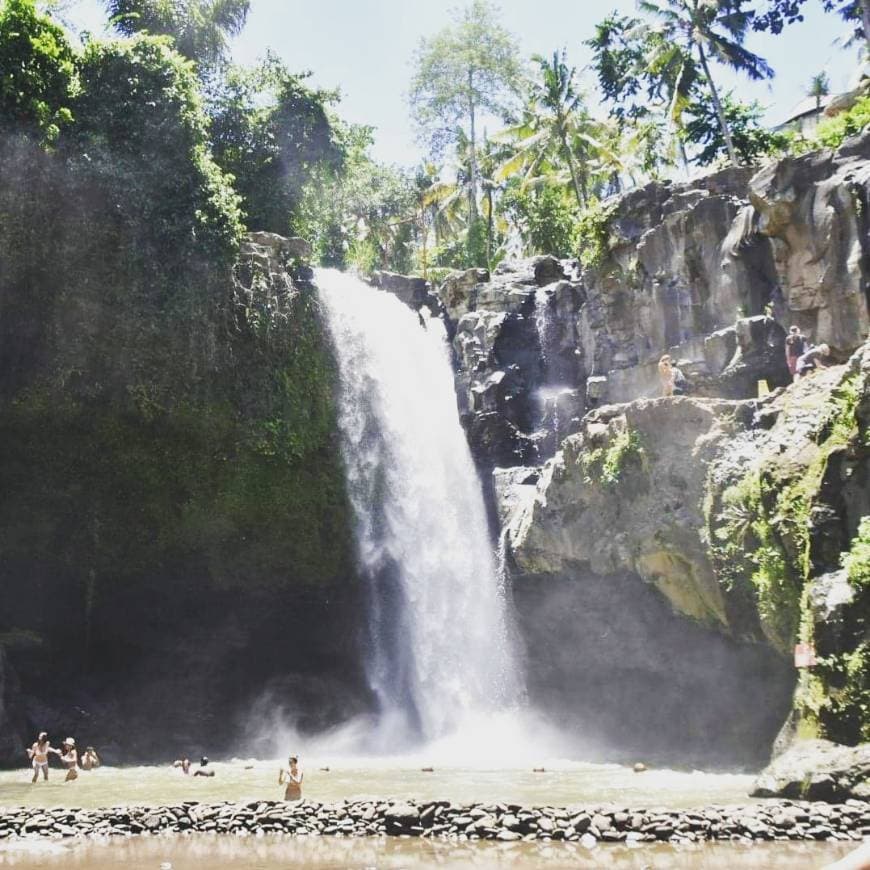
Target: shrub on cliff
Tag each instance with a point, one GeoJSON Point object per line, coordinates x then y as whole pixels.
{"type": "Point", "coordinates": [274, 135]}
{"type": "Point", "coordinates": [141, 135]}
{"type": "Point", "coordinates": [37, 71]}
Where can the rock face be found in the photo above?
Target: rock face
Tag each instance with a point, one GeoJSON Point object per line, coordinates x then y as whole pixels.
{"type": "Point", "coordinates": [817, 770]}
{"type": "Point", "coordinates": [712, 272]}
{"type": "Point", "coordinates": [175, 536]}
{"type": "Point", "coordinates": [705, 533]}
{"type": "Point", "coordinates": [677, 540]}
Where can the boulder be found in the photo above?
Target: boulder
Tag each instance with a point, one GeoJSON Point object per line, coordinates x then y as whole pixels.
{"type": "Point", "coordinates": [414, 292]}
{"type": "Point", "coordinates": [817, 770]}
{"type": "Point", "coordinates": [280, 246]}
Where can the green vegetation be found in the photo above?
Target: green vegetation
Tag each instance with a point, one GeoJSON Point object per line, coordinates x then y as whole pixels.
{"type": "Point", "coordinates": [37, 72]}
{"type": "Point", "coordinates": [608, 466]}
{"type": "Point", "coordinates": [762, 543]}
{"type": "Point", "coordinates": [198, 28]}
{"type": "Point", "coordinates": [166, 413]}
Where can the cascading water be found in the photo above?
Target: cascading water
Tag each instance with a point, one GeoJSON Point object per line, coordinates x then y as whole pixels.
{"type": "Point", "coordinates": [440, 651]}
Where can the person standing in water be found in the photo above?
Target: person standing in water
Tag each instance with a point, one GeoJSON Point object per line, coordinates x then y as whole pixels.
{"type": "Point", "coordinates": [291, 776]}
{"type": "Point", "coordinates": [38, 754]}
{"type": "Point", "coordinates": [69, 759]}
{"type": "Point", "coordinates": [90, 760]}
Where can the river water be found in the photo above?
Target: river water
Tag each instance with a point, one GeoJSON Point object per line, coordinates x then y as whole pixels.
{"type": "Point", "coordinates": [562, 783]}
{"type": "Point", "coordinates": [331, 853]}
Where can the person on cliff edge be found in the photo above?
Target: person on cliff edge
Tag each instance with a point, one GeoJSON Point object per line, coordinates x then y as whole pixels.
{"type": "Point", "coordinates": [814, 358]}
{"type": "Point", "coordinates": [795, 347]}
{"type": "Point", "coordinates": [672, 379]}
{"type": "Point", "coordinates": [291, 776]}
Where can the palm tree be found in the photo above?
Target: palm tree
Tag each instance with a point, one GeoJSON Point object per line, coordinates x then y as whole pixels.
{"type": "Point", "coordinates": [714, 29]}
{"type": "Point", "coordinates": [820, 86]}
{"type": "Point", "coordinates": [200, 28]}
{"type": "Point", "coordinates": [556, 131]}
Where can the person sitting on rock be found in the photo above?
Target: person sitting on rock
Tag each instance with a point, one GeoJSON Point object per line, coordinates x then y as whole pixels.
{"type": "Point", "coordinates": [795, 348]}
{"type": "Point", "coordinates": [292, 777]}
{"type": "Point", "coordinates": [69, 759]}
{"type": "Point", "coordinates": [201, 770]}
{"type": "Point", "coordinates": [38, 754]}
{"type": "Point", "coordinates": [814, 358]}
{"type": "Point", "coordinates": [89, 759]}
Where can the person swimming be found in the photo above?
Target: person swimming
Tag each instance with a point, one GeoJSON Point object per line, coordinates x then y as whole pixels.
{"type": "Point", "coordinates": [183, 764]}
{"type": "Point", "coordinates": [291, 776]}
{"type": "Point", "coordinates": [201, 770]}
{"type": "Point", "coordinates": [38, 754]}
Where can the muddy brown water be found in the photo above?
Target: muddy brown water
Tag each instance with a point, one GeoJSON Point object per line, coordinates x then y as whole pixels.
{"type": "Point", "coordinates": [210, 852]}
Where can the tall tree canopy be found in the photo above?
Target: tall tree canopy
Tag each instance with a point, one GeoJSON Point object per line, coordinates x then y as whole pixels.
{"type": "Point", "coordinates": [199, 28]}
{"type": "Point", "coordinates": [468, 68]}
{"type": "Point", "coordinates": [274, 135]}
{"type": "Point", "coordinates": [710, 30]}
{"type": "Point", "coordinates": [37, 70]}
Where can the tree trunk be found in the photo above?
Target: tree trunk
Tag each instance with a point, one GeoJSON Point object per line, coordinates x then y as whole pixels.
{"type": "Point", "coordinates": [579, 190]}
{"type": "Point", "coordinates": [683, 156]}
{"type": "Point", "coordinates": [472, 191]}
{"type": "Point", "coordinates": [865, 21]}
{"type": "Point", "coordinates": [717, 105]}
{"type": "Point", "coordinates": [489, 226]}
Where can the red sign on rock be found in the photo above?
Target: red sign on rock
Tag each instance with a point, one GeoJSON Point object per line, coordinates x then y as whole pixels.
{"type": "Point", "coordinates": [804, 655]}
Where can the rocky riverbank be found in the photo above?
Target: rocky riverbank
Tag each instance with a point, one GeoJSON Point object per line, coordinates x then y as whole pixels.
{"type": "Point", "coordinates": [779, 821]}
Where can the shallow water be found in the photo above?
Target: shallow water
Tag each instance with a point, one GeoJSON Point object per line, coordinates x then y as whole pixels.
{"type": "Point", "coordinates": [269, 853]}
{"type": "Point", "coordinates": [562, 784]}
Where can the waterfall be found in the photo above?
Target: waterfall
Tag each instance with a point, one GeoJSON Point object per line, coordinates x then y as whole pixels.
{"type": "Point", "coordinates": [544, 328]}
{"type": "Point", "coordinates": [439, 650]}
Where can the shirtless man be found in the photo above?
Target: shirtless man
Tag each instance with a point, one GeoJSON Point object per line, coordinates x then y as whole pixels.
{"type": "Point", "coordinates": [38, 754]}
{"type": "Point", "coordinates": [69, 759]}
{"type": "Point", "coordinates": [292, 777]}
{"type": "Point", "coordinates": [90, 760]}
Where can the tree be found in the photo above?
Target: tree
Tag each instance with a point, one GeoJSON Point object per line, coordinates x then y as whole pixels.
{"type": "Point", "coordinates": [776, 14]}
{"type": "Point", "coordinates": [712, 29]}
{"type": "Point", "coordinates": [750, 139]}
{"type": "Point", "coordinates": [644, 75]}
{"type": "Point", "coordinates": [39, 77]}
{"type": "Point", "coordinates": [820, 86]}
{"type": "Point", "coordinates": [275, 136]}
{"type": "Point", "coordinates": [556, 137]}
{"type": "Point", "coordinates": [469, 67]}
{"type": "Point", "coordinates": [560, 109]}
{"type": "Point", "coordinates": [141, 137]}
{"type": "Point", "coordinates": [199, 28]}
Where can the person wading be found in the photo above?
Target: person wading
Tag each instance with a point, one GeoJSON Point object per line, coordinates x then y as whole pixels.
{"type": "Point", "coordinates": [38, 754]}
{"type": "Point", "coordinates": [69, 759]}
{"type": "Point", "coordinates": [291, 776]}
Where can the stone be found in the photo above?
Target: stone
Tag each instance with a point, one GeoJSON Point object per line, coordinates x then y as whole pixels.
{"type": "Point", "coordinates": [280, 246]}
{"type": "Point", "coordinates": [817, 770]}
{"type": "Point", "coordinates": [414, 292]}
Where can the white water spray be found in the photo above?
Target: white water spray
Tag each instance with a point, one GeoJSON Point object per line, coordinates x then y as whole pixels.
{"type": "Point", "coordinates": [439, 649]}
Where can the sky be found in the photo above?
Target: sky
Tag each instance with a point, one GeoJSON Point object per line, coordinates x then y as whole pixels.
{"type": "Point", "coordinates": [365, 48]}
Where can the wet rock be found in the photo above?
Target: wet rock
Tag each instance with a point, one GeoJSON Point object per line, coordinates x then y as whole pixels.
{"type": "Point", "coordinates": [817, 770]}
